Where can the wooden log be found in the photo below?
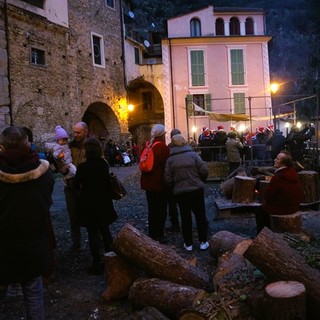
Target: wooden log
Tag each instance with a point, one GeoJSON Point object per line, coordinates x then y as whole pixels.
{"type": "Point", "coordinates": [168, 297]}
{"type": "Point", "coordinates": [310, 186]}
{"type": "Point", "coordinates": [157, 259]}
{"type": "Point", "coordinates": [149, 313]}
{"type": "Point", "coordinates": [243, 189]}
{"type": "Point", "coordinates": [242, 247]}
{"type": "Point", "coordinates": [278, 261]}
{"type": "Point", "coordinates": [223, 241]}
{"type": "Point", "coordinates": [285, 300]}
{"type": "Point", "coordinates": [227, 186]}
{"type": "Point", "coordinates": [291, 223]}
{"type": "Point", "coordinates": [267, 171]}
{"type": "Point", "coordinates": [119, 276]}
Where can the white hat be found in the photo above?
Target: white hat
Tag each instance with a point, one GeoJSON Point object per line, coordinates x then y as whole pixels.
{"type": "Point", "coordinates": [158, 130]}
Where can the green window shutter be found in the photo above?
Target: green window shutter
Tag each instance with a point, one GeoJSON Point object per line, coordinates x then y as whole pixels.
{"type": "Point", "coordinates": [190, 108]}
{"type": "Point", "coordinates": [207, 101]}
{"type": "Point", "coordinates": [237, 67]}
{"type": "Point", "coordinates": [239, 103]}
{"type": "Point", "coordinates": [197, 67]}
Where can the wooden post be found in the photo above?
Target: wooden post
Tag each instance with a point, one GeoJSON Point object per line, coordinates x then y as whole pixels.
{"type": "Point", "coordinates": [310, 186]}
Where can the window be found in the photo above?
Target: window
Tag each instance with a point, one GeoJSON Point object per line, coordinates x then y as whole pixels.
{"type": "Point", "coordinates": [97, 50]}
{"type": "Point", "coordinates": [195, 28]}
{"type": "Point", "coordinates": [239, 103]}
{"type": "Point", "coordinates": [136, 55]}
{"type": "Point", "coordinates": [110, 3]}
{"type": "Point", "coordinates": [234, 27]}
{"type": "Point", "coordinates": [237, 67]}
{"type": "Point", "coordinates": [147, 100]}
{"type": "Point", "coordinates": [249, 26]}
{"type": "Point", "coordinates": [198, 100]}
{"type": "Point", "coordinates": [38, 57]}
{"type": "Point", "coordinates": [219, 27]}
{"type": "Point", "coordinates": [197, 67]}
{"type": "Point", "coordinates": [36, 3]}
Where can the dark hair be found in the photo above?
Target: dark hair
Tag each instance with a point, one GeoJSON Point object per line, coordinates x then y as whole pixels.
{"type": "Point", "coordinates": [14, 138]}
{"type": "Point", "coordinates": [92, 148]}
{"type": "Point", "coordinates": [287, 159]}
{"type": "Point", "coordinates": [29, 134]}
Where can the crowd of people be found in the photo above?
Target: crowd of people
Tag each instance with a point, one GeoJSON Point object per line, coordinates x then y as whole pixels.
{"type": "Point", "coordinates": [262, 147]}
{"type": "Point", "coordinates": [174, 187]}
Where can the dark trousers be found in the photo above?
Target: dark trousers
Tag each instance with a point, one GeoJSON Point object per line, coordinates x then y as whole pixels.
{"type": "Point", "coordinates": [157, 213]}
{"type": "Point", "coordinates": [71, 209]}
{"type": "Point", "coordinates": [193, 202]}
{"type": "Point", "coordinates": [173, 209]}
{"type": "Point", "coordinates": [262, 219]}
{"type": "Point", "coordinates": [94, 236]}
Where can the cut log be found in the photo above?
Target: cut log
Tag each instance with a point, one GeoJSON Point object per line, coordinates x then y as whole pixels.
{"type": "Point", "coordinates": [243, 189]}
{"type": "Point", "coordinates": [149, 313]}
{"type": "Point", "coordinates": [242, 247]}
{"type": "Point", "coordinates": [168, 297]}
{"type": "Point", "coordinates": [310, 186]}
{"type": "Point", "coordinates": [223, 241]}
{"type": "Point", "coordinates": [119, 276]}
{"type": "Point", "coordinates": [285, 300]}
{"type": "Point", "coordinates": [227, 186]}
{"type": "Point", "coordinates": [291, 223]}
{"type": "Point", "coordinates": [278, 261]}
{"type": "Point", "coordinates": [157, 259]}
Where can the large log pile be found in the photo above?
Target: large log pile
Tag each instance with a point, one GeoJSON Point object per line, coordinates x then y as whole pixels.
{"type": "Point", "coordinates": [170, 286]}
{"type": "Point", "coordinates": [278, 261]}
{"type": "Point", "coordinates": [156, 259]}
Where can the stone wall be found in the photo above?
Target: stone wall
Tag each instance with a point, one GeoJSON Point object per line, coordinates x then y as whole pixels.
{"type": "Point", "coordinates": [68, 87]}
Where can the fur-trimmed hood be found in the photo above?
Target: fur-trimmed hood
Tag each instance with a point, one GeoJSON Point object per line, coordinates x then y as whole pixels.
{"type": "Point", "coordinates": [25, 176]}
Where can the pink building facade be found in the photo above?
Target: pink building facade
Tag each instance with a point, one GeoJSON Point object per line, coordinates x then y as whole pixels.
{"type": "Point", "coordinates": [216, 64]}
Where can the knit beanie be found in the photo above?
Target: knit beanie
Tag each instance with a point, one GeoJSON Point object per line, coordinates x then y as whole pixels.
{"type": "Point", "coordinates": [158, 130]}
{"type": "Point", "coordinates": [60, 133]}
{"type": "Point", "coordinates": [174, 132]}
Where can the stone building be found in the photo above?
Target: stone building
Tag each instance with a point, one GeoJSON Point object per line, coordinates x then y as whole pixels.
{"type": "Point", "coordinates": [65, 65]}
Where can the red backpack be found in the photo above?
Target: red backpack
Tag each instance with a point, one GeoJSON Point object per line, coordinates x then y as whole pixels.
{"type": "Point", "coordinates": [147, 158]}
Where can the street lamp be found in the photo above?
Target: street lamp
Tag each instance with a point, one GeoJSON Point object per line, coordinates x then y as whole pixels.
{"type": "Point", "coordinates": [194, 130]}
{"type": "Point", "coordinates": [130, 107]}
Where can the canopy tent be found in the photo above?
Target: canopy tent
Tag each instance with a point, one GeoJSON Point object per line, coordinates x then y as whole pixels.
{"type": "Point", "coordinates": [223, 117]}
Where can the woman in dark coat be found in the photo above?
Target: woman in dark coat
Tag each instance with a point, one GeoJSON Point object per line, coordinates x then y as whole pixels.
{"type": "Point", "coordinates": [26, 185]}
{"type": "Point", "coordinates": [94, 203]}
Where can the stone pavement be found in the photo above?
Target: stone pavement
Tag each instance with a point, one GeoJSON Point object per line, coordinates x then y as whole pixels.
{"type": "Point", "coordinates": [59, 203]}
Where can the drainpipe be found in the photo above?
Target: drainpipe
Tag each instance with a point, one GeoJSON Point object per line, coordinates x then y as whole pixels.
{"type": "Point", "coordinates": [8, 55]}
{"type": "Point", "coordinates": [172, 90]}
{"type": "Point", "coordinates": [123, 46]}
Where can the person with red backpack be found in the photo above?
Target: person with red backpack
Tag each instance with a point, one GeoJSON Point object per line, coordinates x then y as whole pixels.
{"type": "Point", "coordinates": [153, 183]}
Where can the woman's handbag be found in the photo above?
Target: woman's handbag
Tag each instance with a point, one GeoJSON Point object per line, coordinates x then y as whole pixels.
{"type": "Point", "coordinates": [118, 191]}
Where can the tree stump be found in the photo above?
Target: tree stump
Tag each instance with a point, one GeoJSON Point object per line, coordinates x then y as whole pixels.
{"type": "Point", "coordinates": [119, 276]}
{"type": "Point", "coordinates": [310, 186]}
{"type": "Point", "coordinates": [169, 298]}
{"type": "Point", "coordinates": [291, 223]}
{"type": "Point", "coordinates": [156, 259]}
{"type": "Point", "coordinates": [243, 189]}
{"type": "Point", "coordinates": [223, 241]}
{"type": "Point", "coordinates": [227, 186]}
{"type": "Point", "coordinates": [149, 313]}
{"type": "Point", "coordinates": [278, 261]}
{"type": "Point", "coordinates": [285, 300]}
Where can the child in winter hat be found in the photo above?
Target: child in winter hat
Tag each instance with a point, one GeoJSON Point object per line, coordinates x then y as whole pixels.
{"type": "Point", "coordinates": [61, 151]}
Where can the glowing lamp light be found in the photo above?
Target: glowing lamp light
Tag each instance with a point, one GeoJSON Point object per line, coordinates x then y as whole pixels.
{"type": "Point", "coordinates": [274, 87]}
{"type": "Point", "coordinates": [130, 107]}
{"type": "Point", "coordinates": [299, 124]}
{"type": "Point", "coordinates": [194, 129]}
{"type": "Point", "coordinates": [242, 128]}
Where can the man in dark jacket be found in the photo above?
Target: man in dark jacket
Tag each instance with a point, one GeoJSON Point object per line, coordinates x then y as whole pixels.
{"type": "Point", "coordinates": [277, 142]}
{"type": "Point", "coordinates": [26, 185]}
{"type": "Point", "coordinates": [283, 194]}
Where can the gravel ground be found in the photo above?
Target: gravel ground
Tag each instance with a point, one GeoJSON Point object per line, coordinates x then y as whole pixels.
{"type": "Point", "coordinates": [72, 294]}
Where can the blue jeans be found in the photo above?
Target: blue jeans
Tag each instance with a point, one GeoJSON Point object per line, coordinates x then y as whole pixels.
{"type": "Point", "coordinates": [33, 298]}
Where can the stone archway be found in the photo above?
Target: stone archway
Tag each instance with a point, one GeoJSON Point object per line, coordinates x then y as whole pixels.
{"type": "Point", "coordinates": [103, 123]}
{"type": "Point", "coordinates": [148, 109]}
